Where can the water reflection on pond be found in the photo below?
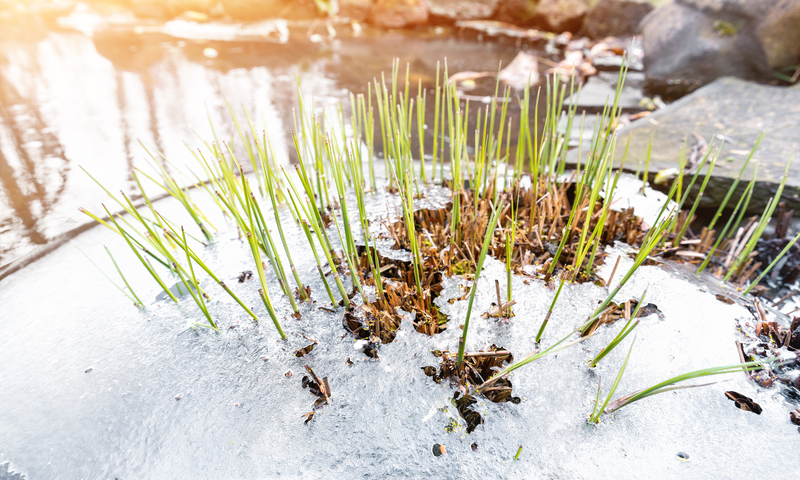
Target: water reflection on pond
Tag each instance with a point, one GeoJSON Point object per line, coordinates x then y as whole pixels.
{"type": "Point", "coordinates": [70, 100]}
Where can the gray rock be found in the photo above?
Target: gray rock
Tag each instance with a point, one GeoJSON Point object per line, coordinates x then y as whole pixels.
{"type": "Point", "coordinates": [552, 15]}
{"type": "Point", "coordinates": [600, 89]}
{"type": "Point", "coordinates": [613, 63]}
{"type": "Point", "coordinates": [357, 10]}
{"type": "Point", "coordinates": [779, 32]}
{"type": "Point", "coordinates": [740, 111]}
{"type": "Point", "coordinates": [463, 9]}
{"type": "Point", "coordinates": [399, 13]}
{"type": "Point", "coordinates": [616, 18]}
{"type": "Point", "coordinates": [686, 47]}
{"type": "Point", "coordinates": [517, 12]}
{"type": "Point", "coordinates": [562, 15]}
{"type": "Point", "coordinates": [775, 21]}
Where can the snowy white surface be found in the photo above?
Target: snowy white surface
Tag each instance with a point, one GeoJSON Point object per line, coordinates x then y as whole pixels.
{"type": "Point", "coordinates": [646, 204]}
{"type": "Point", "coordinates": [239, 416]}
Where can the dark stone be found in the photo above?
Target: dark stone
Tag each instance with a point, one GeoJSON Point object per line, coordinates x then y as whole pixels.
{"type": "Point", "coordinates": [686, 47]}
{"type": "Point", "coordinates": [776, 24]}
{"type": "Point", "coordinates": [779, 32]}
{"type": "Point", "coordinates": [615, 18]}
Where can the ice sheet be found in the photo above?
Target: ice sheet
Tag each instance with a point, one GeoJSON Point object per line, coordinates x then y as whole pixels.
{"type": "Point", "coordinates": [239, 416]}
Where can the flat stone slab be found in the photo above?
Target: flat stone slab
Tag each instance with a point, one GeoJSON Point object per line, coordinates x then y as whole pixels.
{"type": "Point", "coordinates": [599, 90]}
{"type": "Point", "coordinates": [740, 111]}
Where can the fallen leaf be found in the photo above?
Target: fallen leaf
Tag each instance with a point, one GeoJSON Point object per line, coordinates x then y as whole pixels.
{"type": "Point", "coordinates": [744, 403]}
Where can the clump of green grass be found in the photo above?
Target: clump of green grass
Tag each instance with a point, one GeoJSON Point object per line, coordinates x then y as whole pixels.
{"type": "Point", "coordinates": [468, 149]}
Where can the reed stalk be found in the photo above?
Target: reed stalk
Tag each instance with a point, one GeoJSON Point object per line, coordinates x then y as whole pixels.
{"type": "Point", "coordinates": [667, 385]}
{"type": "Point", "coordinates": [146, 265]}
{"type": "Point", "coordinates": [486, 241]}
{"type": "Point", "coordinates": [632, 323]}
{"type": "Point", "coordinates": [550, 310]}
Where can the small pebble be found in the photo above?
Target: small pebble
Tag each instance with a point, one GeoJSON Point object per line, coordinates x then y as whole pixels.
{"type": "Point", "coordinates": [795, 417]}
{"type": "Point", "coordinates": [438, 450]}
{"type": "Point", "coordinates": [177, 397]}
{"type": "Point", "coordinates": [288, 374]}
{"type": "Point", "coordinates": [88, 370]}
{"type": "Point", "coordinates": [683, 456]}
{"type": "Point", "coordinates": [209, 52]}
{"type": "Point", "coordinates": [474, 447]}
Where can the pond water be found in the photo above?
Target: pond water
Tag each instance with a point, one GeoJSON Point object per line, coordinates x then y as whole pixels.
{"type": "Point", "coordinates": [71, 99]}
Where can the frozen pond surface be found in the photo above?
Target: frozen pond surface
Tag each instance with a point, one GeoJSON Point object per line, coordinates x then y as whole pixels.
{"type": "Point", "coordinates": [89, 383]}
{"type": "Point", "coordinates": [86, 93]}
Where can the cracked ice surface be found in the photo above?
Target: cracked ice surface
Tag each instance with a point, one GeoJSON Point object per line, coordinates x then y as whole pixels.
{"type": "Point", "coordinates": [239, 416]}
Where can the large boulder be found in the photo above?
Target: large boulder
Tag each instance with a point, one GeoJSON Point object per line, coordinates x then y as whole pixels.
{"type": "Point", "coordinates": [776, 24]}
{"type": "Point", "coordinates": [779, 32]}
{"type": "Point", "coordinates": [563, 15]}
{"type": "Point", "coordinates": [616, 18]}
{"type": "Point", "coordinates": [686, 47]}
{"type": "Point", "coordinates": [689, 43]}
{"type": "Point", "coordinates": [462, 9]}
{"type": "Point", "coordinates": [552, 15]}
{"type": "Point", "coordinates": [399, 13]}
{"type": "Point", "coordinates": [517, 12]}
{"type": "Point", "coordinates": [357, 10]}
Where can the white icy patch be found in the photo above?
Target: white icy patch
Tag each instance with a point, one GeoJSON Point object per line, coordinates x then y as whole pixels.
{"type": "Point", "coordinates": [647, 205]}
{"type": "Point", "coordinates": [240, 416]}
{"type": "Point", "coordinates": [628, 193]}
